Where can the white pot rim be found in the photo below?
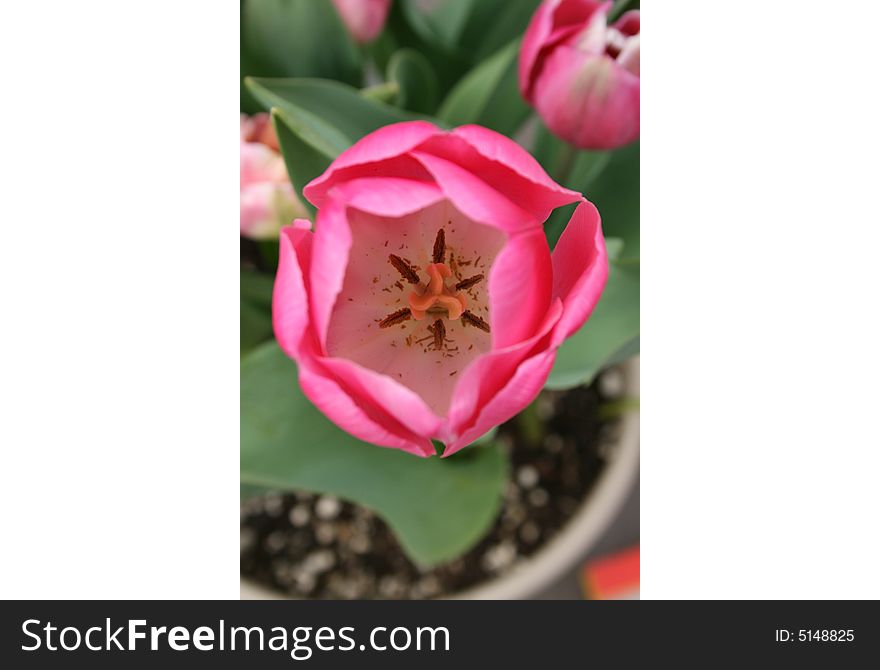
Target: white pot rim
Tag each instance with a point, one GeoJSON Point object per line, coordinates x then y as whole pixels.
{"type": "Point", "coordinates": [567, 547]}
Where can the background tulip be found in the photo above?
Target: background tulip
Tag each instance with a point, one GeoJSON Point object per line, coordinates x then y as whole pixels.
{"type": "Point", "coordinates": [427, 304]}
{"type": "Point", "coordinates": [267, 198]}
{"type": "Point", "coordinates": [363, 18]}
{"type": "Point", "coordinates": [581, 74]}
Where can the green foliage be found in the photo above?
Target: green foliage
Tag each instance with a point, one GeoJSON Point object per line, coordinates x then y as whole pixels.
{"type": "Point", "coordinates": [438, 508]}
{"type": "Point", "coordinates": [295, 38]}
{"type": "Point", "coordinates": [488, 95]}
{"type": "Point", "coordinates": [255, 310]}
{"type": "Point", "coordinates": [473, 28]}
{"type": "Point", "coordinates": [316, 120]}
{"type": "Point", "coordinates": [418, 89]}
{"type": "Point", "coordinates": [609, 336]}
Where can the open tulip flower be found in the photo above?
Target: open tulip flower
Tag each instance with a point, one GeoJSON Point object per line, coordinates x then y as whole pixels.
{"type": "Point", "coordinates": [267, 198]}
{"type": "Point", "coordinates": [426, 304]}
{"type": "Point", "coordinates": [581, 74]}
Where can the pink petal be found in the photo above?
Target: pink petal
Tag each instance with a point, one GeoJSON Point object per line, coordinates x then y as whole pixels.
{"type": "Point", "coordinates": [628, 23]}
{"type": "Point", "coordinates": [580, 269]}
{"type": "Point", "coordinates": [385, 395]}
{"type": "Point", "coordinates": [555, 22]}
{"type": "Point", "coordinates": [589, 100]}
{"type": "Point", "coordinates": [363, 18]}
{"type": "Point", "coordinates": [338, 406]}
{"type": "Point", "coordinates": [385, 143]}
{"type": "Point", "coordinates": [330, 249]}
{"type": "Point", "coordinates": [487, 375]}
{"type": "Point", "coordinates": [504, 165]}
{"type": "Point", "coordinates": [516, 395]}
{"type": "Point", "coordinates": [474, 197]}
{"type": "Point", "coordinates": [290, 303]}
{"type": "Point", "coordinates": [540, 27]}
{"type": "Point", "coordinates": [388, 196]}
{"type": "Point", "coordinates": [258, 164]}
{"type": "Point", "coordinates": [520, 288]}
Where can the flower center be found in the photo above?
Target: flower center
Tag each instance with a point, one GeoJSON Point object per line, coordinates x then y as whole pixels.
{"type": "Point", "coordinates": [435, 298]}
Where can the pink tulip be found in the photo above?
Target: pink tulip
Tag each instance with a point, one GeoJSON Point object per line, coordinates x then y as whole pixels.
{"type": "Point", "coordinates": [581, 74]}
{"type": "Point", "coordinates": [267, 199]}
{"type": "Point", "coordinates": [363, 18]}
{"type": "Point", "coordinates": [427, 303]}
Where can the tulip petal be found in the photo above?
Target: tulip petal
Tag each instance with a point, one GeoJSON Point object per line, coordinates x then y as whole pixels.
{"type": "Point", "coordinates": [629, 23]}
{"type": "Point", "coordinates": [364, 19]}
{"type": "Point", "coordinates": [555, 22]}
{"type": "Point", "coordinates": [385, 394]}
{"type": "Point", "coordinates": [505, 166]}
{"type": "Point", "coordinates": [341, 409]}
{"type": "Point", "coordinates": [474, 197]}
{"type": "Point", "coordinates": [388, 196]}
{"type": "Point", "coordinates": [534, 40]}
{"type": "Point", "coordinates": [580, 269]}
{"type": "Point", "coordinates": [589, 100]}
{"type": "Point", "coordinates": [330, 250]}
{"type": "Point", "coordinates": [290, 303]}
{"type": "Point", "coordinates": [386, 143]}
{"type": "Point", "coordinates": [516, 395]}
{"type": "Point", "coordinates": [520, 288]}
{"type": "Point", "coordinates": [487, 375]}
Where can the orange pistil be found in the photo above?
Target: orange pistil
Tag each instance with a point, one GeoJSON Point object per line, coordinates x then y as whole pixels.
{"type": "Point", "coordinates": [437, 297]}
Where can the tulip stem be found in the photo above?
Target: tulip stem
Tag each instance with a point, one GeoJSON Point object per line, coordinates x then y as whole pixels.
{"type": "Point", "coordinates": [530, 425]}
{"type": "Point", "coordinates": [565, 164]}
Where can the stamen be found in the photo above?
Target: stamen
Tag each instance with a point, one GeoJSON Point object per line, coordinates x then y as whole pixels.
{"type": "Point", "coordinates": [395, 318]}
{"type": "Point", "coordinates": [405, 269]}
{"type": "Point", "coordinates": [465, 284]}
{"type": "Point", "coordinates": [471, 319]}
{"type": "Point", "coordinates": [440, 247]}
{"type": "Point", "coordinates": [439, 331]}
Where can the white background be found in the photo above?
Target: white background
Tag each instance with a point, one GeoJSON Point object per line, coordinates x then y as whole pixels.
{"type": "Point", "coordinates": [760, 300]}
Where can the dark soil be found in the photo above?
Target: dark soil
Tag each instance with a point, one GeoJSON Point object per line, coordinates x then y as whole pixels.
{"type": "Point", "coordinates": [312, 546]}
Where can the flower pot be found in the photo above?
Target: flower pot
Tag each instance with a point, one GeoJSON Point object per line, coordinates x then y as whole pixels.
{"type": "Point", "coordinates": [565, 549]}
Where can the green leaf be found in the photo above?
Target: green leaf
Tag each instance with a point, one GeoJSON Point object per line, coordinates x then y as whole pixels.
{"type": "Point", "coordinates": [256, 310]}
{"type": "Point", "coordinates": [328, 113]}
{"type": "Point", "coordinates": [611, 332]}
{"type": "Point", "coordinates": [316, 120]}
{"type": "Point", "coordinates": [609, 179]}
{"type": "Point", "coordinates": [488, 95]}
{"type": "Point", "coordinates": [494, 23]}
{"type": "Point", "coordinates": [418, 88]}
{"type": "Point", "coordinates": [441, 22]}
{"type": "Point", "coordinates": [568, 165]}
{"type": "Point", "coordinates": [304, 161]}
{"type": "Point", "coordinates": [474, 28]}
{"type": "Point", "coordinates": [400, 32]}
{"type": "Point", "coordinates": [615, 192]}
{"type": "Point", "coordinates": [297, 38]}
{"type": "Point", "coordinates": [438, 508]}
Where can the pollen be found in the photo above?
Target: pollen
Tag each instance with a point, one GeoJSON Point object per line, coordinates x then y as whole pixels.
{"type": "Point", "coordinates": [443, 296]}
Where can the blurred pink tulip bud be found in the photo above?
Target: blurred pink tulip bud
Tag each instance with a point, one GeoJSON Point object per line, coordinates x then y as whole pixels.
{"type": "Point", "coordinates": [581, 74]}
{"type": "Point", "coordinates": [267, 200]}
{"type": "Point", "coordinates": [427, 304]}
{"type": "Point", "coordinates": [363, 18]}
